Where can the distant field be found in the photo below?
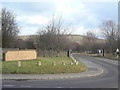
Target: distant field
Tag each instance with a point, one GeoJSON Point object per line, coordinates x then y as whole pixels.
{"type": "Point", "coordinates": [75, 38]}
{"type": "Point", "coordinates": [30, 66]}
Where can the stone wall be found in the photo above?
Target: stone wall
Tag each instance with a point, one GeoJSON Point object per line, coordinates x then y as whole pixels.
{"type": "Point", "coordinates": [20, 55]}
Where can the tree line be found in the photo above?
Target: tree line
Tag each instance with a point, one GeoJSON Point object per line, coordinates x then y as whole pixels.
{"type": "Point", "coordinates": [53, 38]}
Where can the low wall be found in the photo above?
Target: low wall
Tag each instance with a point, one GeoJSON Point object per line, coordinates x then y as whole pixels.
{"type": "Point", "coordinates": [20, 55]}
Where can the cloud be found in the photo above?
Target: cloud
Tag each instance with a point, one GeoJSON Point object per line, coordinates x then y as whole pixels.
{"type": "Point", "coordinates": [81, 16]}
{"type": "Point", "coordinates": [76, 13]}
{"type": "Point", "coordinates": [68, 6]}
{"type": "Point", "coordinates": [81, 30]}
{"type": "Point", "coordinates": [60, 0]}
{"type": "Point", "coordinates": [36, 19]}
{"type": "Point", "coordinates": [28, 30]}
{"type": "Point", "coordinates": [98, 33]}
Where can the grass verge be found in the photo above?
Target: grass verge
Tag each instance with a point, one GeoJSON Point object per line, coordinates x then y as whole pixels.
{"type": "Point", "coordinates": [0, 67]}
{"type": "Point", "coordinates": [108, 56]}
{"type": "Point", "coordinates": [30, 66]}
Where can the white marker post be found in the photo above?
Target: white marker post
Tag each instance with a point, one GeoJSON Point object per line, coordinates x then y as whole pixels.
{"type": "Point", "coordinates": [53, 64]}
{"type": "Point", "coordinates": [117, 51]}
{"type": "Point", "coordinates": [39, 63]}
{"type": "Point", "coordinates": [19, 63]}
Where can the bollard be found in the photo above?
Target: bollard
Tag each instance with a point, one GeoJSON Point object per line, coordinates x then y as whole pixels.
{"type": "Point", "coordinates": [39, 63]}
{"type": "Point", "coordinates": [53, 64]}
{"type": "Point", "coordinates": [19, 63]}
{"type": "Point", "coordinates": [81, 69]}
{"type": "Point", "coordinates": [117, 56]}
{"type": "Point", "coordinates": [71, 63]}
{"type": "Point", "coordinates": [76, 63]}
{"type": "Point", "coordinates": [63, 63]}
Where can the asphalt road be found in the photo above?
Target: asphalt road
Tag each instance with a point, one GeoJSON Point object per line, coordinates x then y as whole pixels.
{"type": "Point", "coordinates": [108, 79]}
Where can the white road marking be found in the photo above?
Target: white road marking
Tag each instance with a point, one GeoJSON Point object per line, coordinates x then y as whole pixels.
{"type": "Point", "coordinates": [59, 87]}
{"type": "Point", "coordinates": [8, 85]}
{"type": "Point", "coordinates": [26, 86]}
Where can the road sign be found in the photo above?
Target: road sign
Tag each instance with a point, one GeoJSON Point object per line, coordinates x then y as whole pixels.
{"type": "Point", "coordinates": [117, 50]}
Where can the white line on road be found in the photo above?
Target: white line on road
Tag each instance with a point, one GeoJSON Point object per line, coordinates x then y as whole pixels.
{"type": "Point", "coordinates": [59, 87]}
{"type": "Point", "coordinates": [26, 86]}
{"type": "Point", "coordinates": [8, 85]}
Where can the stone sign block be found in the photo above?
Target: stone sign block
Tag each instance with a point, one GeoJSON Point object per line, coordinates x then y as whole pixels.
{"type": "Point", "coordinates": [20, 55]}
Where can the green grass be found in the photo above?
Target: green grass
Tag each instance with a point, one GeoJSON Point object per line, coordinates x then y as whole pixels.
{"type": "Point", "coordinates": [108, 56]}
{"type": "Point", "coordinates": [30, 66]}
{"type": "Point", "coordinates": [0, 65]}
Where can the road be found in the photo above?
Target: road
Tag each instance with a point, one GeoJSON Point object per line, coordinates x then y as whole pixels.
{"type": "Point", "coordinates": [108, 79]}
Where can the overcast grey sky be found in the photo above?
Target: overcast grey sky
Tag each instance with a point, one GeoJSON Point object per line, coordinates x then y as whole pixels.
{"type": "Point", "coordinates": [81, 16]}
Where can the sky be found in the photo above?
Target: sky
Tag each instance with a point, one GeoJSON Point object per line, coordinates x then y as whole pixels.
{"type": "Point", "coordinates": [79, 16]}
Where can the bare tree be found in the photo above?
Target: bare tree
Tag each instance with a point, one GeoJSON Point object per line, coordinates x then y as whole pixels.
{"type": "Point", "coordinates": [52, 38]}
{"type": "Point", "coordinates": [60, 36]}
{"type": "Point", "coordinates": [118, 41]}
{"type": "Point", "coordinates": [0, 31]}
{"type": "Point", "coordinates": [109, 30]}
{"type": "Point", "coordinates": [0, 39]}
{"type": "Point", "coordinates": [24, 44]}
{"type": "Point", "coordinates": [90, 42]}
{"type": "Point", "coordinates": [118, 37]}
{"type": "Point", "coordinates": [9, 28]}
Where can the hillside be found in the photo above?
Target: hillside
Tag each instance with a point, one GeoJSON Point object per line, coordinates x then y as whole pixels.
{"type": "Point", "coordinates": [74, 38]}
